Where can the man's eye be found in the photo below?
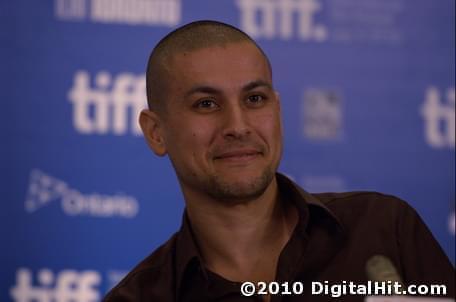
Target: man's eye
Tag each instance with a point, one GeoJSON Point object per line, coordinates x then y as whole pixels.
{"type": "Point", "coordinates": [206, 104]}
{"type": "Point", "coordinates": [256, 99]}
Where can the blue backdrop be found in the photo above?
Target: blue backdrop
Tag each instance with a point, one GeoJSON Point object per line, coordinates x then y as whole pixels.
{"type": "Point", "coordinates": [368, 98]}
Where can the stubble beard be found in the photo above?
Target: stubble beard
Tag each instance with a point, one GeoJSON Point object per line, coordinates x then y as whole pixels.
{"type": "Point", "coordinates": [235, 192]}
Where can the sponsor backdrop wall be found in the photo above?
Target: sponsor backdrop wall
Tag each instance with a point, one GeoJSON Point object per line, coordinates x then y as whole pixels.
{"type": "Point", "coordinates": [368, 101]}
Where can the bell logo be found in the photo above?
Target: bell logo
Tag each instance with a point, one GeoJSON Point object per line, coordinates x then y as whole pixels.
{"type": "Point", "coordinates": [322, 115]}
{"type": "Point", "coordinates": [130, 12]}
{"type": "Point", "coordinates": [68, 285]}
{"type": "Point", "coordinates": [277, 19]}
{"type": "Point", "coordinates": [105, 108]}
{"type": "Point", "coordinates": [439, 118]}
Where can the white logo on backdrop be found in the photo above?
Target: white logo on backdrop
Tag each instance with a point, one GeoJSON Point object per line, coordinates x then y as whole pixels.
{"type": "Point", "coordinates": [68, 285]}
{"type": "Point", "coordinates": [319, 183]}
{"type": "Point", "coordinates": [372, 21]}
{"type": "Point", "coordinates": [439, 118]}
{"type": "Point", "coordinates": [44, 189]}
{"type": "Point", "coordinates": [323, 183]}
{"type": "Point", "coordinates": [132, 12]}
{"type": "Point", "coordinates": [276, 18]}
{"type": "Point", "coordinates": [112, 105]}
{"type": "Point", "coordinates": [70, 9]}
{"type": "Point", "coordinates": [322, 116]}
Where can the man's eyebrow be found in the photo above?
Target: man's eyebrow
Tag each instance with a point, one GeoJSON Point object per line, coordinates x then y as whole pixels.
{"type": "Point", "coordinates": [213, 90]}
{"type": "Point", "coordinates": [256, 84]}
{"type": "Point", "coordinates": [202, 89]}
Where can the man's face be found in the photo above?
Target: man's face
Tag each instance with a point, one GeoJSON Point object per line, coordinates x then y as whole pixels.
{"type": "Point", "coordinates": [222, 127]}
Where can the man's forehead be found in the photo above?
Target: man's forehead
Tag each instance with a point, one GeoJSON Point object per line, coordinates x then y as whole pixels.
{"type": "Point", "coordinates": [233, 55]}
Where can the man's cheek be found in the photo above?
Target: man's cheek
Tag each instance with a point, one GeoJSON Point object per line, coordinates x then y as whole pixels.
{"type": "Point", "coordinates": [270, 126]}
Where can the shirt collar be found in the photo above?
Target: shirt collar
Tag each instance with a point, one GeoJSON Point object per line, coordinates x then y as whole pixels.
{"type": "Point", "coordinates": [187, 251]}
{"type": "Point", "coordinates": [304, 201]}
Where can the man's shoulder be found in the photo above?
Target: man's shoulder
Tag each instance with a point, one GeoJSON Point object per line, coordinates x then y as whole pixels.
{"type": "Point", "coordinates": [151, 273]}
{"type": "Point", "coordinates": [361, 198]}
{"type": "Point", "coordinates": [365, 205]}
{"type": "Point", "coordinates": [365, 197]}
{"type": "Point", "coordinates": [347, 202]}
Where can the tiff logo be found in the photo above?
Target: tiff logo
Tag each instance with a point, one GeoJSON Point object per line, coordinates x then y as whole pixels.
{"type": "Point", "coordinates": [275, 18]}
{"type": "Point", "coordinates": [67, 286]}
{"type": "Point", "coordinates": [110, 105]}
{"type": "Point", "coordinates": [439, 118]}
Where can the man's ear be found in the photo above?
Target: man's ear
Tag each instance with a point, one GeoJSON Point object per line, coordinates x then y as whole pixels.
{"type": "Point", "coordinates": [277, 96]}
{"type": "Point", "coordinates": [151, 126]}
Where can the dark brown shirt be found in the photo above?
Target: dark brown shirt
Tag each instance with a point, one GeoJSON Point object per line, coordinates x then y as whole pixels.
{"type": "Point", "coordinates": [337, 233]}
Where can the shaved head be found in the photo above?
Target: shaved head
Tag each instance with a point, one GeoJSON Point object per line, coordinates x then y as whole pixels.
{"type": "Point", "coordinates": [190, 37]}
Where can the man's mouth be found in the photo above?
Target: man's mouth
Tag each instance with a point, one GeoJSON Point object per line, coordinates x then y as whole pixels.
{"type": "Point", "coordinates": [238, 155]}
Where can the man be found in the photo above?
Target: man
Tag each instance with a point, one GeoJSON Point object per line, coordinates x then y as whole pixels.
{"type": "Point", "coordinates": [215, 113]}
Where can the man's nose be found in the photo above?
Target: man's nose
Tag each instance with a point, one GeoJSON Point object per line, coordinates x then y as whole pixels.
{"type": "Point", "coordinates": [236, 123]}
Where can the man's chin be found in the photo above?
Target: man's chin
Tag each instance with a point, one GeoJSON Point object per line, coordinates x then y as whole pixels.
{"type": "Point", "coordinates": [239, 189]}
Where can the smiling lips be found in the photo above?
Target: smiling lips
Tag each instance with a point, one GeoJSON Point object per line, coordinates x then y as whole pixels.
{"type": "Point", "coordinates": [239, 155]}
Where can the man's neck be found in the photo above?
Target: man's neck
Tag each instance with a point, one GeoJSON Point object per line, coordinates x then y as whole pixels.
{"type": "Point", "coordinates": [242, 242]}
